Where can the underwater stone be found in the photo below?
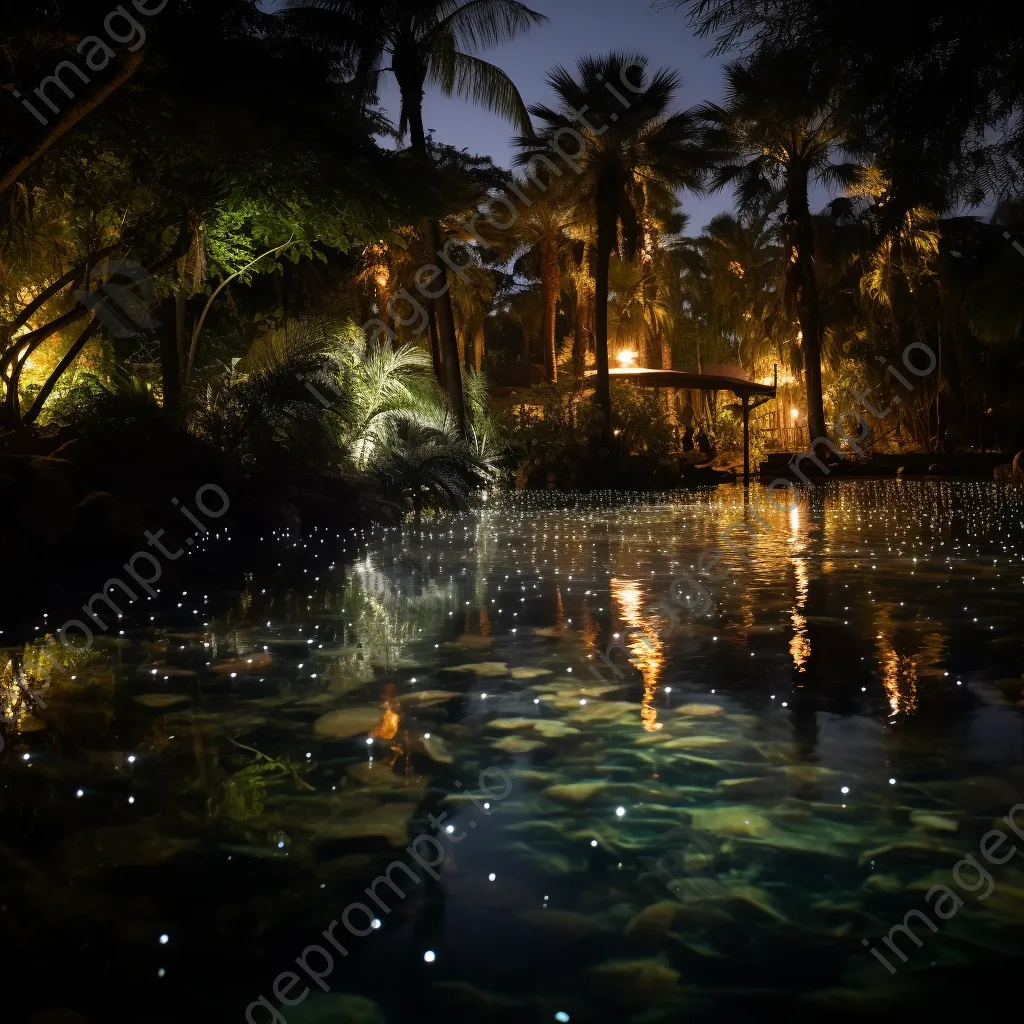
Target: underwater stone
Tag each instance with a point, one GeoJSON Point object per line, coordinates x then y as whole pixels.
{"type": "Point", "coordinates": [345, 723]}
{"type": "Point", "coordinates": [700, 710]}
{"type": "Point", "coordinates": [162, 700]}
{"type": "Point", "coordinates": [731, 821]}
{"type": "Point", "coordinates": [630, 983]}
{"type": "Point", "coordinates": [930, 820]}
{"type": "Point", "coordinates": [517, 745]}
{"type": "Point", "coordinates": [482, 669]}
{"type": "Point", "coordinates": [526, 672]}
{"type": "Point", "coordinates": [575, 792]}
{"type": "Point", "coordinates": [386, 821]}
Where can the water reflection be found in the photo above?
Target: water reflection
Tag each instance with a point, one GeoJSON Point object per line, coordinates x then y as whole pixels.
{"type": "Point", "coordinates": [645, 643]}
{"type": "Point", "coordinates": [841, 724]}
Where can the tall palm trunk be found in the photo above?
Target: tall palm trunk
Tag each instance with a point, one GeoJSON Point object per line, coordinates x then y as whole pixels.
{"type": "Point", "coordinates": [803, 290]}
{"type": "Point", "coordinates": [583, 325]}
{"type": "Point", "coordinates": [444, 315]}
{"type": "Point", "coordinates": [607, 237]}
{"type": "Point", "coordinates": [670, 393]}
{"type": "Point", "coordinates": [479, 340]}
{"type": "Point", "coordinates": [549, 278]}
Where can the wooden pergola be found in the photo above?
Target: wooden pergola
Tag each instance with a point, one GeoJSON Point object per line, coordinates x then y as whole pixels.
{"type": "Point", "coordinates": [750, 393]}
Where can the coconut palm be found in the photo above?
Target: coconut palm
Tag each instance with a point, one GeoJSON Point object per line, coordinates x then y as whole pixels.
{"type": "Point", "coordinates": [780, 129]}
{"type": "Point", "coordinates": [538, 244]}
{"type": "Point", "coordinates": [634, 153]}
{"type": "Point", "coordinates": [425, 42]}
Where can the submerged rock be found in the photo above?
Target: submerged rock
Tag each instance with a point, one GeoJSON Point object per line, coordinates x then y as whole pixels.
{"type": "Point", "coordinates": [482, 669]}
{"type": "Point", "coordinates": [162, 701]}
{"type": "Point", "coordinates": [731, 821]}
{"type": "Point", "coordinates": [378, 774]}
{"type": "Point", "coordinates": [752, 787]}
{"type": "Point", "coordinates": [529, 672]}
{"type": "Point", "coordinates": [883, 883]}
{"type": "Point", "coordinates": [345, 723]}
{"type": "Point", "coordinates": [634, 983]}
{"type": "Point", "coordinates": [434, 747]}
{"type": "Point", "coordinates": [701, 710]}
{"type": "Point", "coordinates": [935, 822]}
{"type": "Point", "coordinates": [605, 711]}
{"type": "Point", "coordinates": [575, 792]}
{"type": "Point", "coordinates": [511, 724]}
{"type": "Point", "coordinates": [388, 821]}
{"type": "Point", "coordinates": [654, 921]}
{"type": "Point", "coordinates": [427, 698]}
{"type": "Point", "coordinates": [533, 779]}
{"type": "Point", "coordinates": [517, 745]}
{"type": "Point", "coordinates": [469, 642]}
{"type": "Point", "coordinates": [554, 730]}
{"type": "Point", "coordinates": [697, 743]}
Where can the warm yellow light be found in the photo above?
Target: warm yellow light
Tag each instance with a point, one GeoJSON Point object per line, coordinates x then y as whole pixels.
{"type": "Point", "coordinates": [627, 357]}
{"type": "Point", "coordinates": [794, 413]}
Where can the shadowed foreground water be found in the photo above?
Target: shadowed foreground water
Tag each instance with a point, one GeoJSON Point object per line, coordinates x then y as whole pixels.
{"type": "Point", "coordinates": [621, 810]}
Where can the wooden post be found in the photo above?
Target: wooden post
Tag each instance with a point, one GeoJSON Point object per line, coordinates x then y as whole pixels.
{"type": "Point", "coordinates": [746, 441]}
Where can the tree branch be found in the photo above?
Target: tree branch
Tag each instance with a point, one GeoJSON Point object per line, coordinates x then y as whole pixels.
{"type": "Point", "coordinates": [77, 112]}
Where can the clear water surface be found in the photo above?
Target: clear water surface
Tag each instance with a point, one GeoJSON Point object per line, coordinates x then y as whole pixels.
{"type": "Point", "coordinates": [598, 793]}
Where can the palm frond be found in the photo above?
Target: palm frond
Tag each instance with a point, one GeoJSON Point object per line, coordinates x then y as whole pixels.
{"type": "Point", "coordinates": [485, 84]}
{"type": "Point", "coordinates": [482, 24]}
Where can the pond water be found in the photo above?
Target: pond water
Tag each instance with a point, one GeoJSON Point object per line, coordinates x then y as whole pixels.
{"type": "Point", "coordinates": [529, 764]}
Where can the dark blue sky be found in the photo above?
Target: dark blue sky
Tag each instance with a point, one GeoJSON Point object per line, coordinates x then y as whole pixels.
{"type": "Point", "coordinates": [575, 28]}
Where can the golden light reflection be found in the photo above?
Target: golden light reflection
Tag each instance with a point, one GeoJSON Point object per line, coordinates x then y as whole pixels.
{"type": "Point", "coordinates": [388, 727]}
{"type": "Point", "coordinates": [899, 678]}
{"type": "Point", "coordinates": [645, 646]}
{"type": "Point", "coordinates": [800, 644]}
{"type": "Point", "coordinates": [588, 631]}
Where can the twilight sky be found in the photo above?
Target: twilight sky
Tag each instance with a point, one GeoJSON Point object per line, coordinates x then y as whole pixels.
{"type": "Point", "coordinates": [575, 28]}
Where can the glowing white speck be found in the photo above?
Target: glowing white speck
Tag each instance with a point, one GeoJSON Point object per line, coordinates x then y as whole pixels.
{"type": "Point", "coordinates": [164, 939]}
{"type": "Point", "coordinates": [430, 956]}
{"type": "Point", "coordinates": [491, 877]}
{"type": "Point", "coordinates": [620, 812]}
{"type": "Point", "coordinates": [845, 790]}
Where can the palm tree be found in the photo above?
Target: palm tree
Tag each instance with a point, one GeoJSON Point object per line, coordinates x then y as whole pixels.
{"type": "Point", "coordinates": [781, 129]}
{"type": "Point", "coordinates": [538, 244]}
{"type": "Point", "coordinates": [635, 153]}
{"type": "Point", "coordinates": [421, 42]}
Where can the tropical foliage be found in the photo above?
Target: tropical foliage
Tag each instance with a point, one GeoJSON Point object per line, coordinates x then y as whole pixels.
{"type": "Point", "coordinates": [240, 263]}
